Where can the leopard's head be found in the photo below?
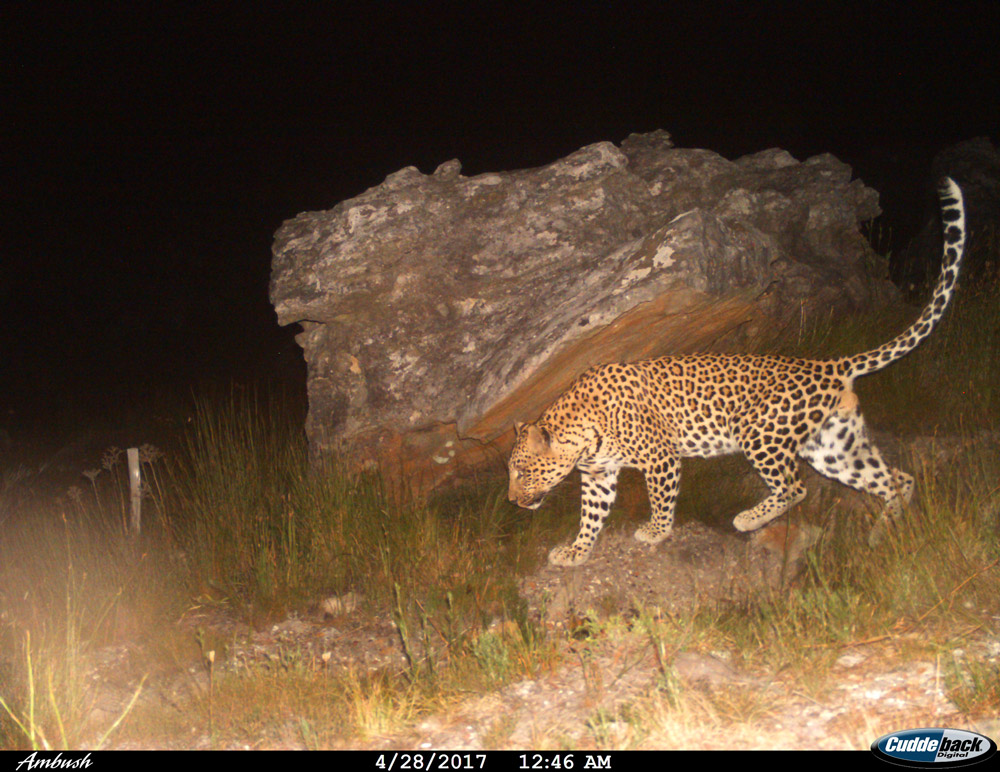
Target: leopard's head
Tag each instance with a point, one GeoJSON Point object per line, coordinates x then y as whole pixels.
{"type": "Point", "coordinates": [537, 464]}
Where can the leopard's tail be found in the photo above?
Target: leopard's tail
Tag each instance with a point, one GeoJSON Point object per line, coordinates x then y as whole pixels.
{"type": "Point", "coordinates": [953, 222]}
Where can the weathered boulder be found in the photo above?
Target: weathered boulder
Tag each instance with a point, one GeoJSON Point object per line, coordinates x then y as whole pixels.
{"type": "Point", "coordinates": [437, 309]}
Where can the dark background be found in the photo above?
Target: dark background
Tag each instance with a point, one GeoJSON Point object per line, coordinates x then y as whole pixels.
{"type": "Point", "coordinates": [148, 153]}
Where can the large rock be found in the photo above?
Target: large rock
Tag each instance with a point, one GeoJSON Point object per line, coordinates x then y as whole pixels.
{"type": "Point", "coordinates": [437, 309]}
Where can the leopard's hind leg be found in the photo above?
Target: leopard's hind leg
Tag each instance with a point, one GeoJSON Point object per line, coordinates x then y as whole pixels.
{"type": "Point", "coordinates": [775, 462]}
{"type": "Point", "coordinates": [842, 449]}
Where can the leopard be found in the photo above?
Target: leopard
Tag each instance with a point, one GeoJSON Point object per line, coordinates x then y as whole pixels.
{"type": "Point", "coordinates": [772, 409]}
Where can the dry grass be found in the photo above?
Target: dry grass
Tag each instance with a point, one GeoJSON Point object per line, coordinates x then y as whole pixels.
{"type": "Point", "coordinates": [239, 517]}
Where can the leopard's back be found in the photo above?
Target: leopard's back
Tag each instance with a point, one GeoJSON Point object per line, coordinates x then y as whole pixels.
{"type": "Point", "coordinates": [702, 404]}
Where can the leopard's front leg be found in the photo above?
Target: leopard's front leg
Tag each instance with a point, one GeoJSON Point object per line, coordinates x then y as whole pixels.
{"type": "Point", "coordinates": [663, 477]}
{"type": "Point", "coordinates": [598, 490]}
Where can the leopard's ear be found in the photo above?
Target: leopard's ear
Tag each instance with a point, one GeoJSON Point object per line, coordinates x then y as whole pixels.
{"type": "Point", "coordinates": [518, 425]}
{"type": "Point", "coordinates": [538, 437]}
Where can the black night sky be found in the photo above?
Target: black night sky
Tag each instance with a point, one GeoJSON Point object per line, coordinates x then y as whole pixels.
{"type": "Point", "coordinates": [149, 152]}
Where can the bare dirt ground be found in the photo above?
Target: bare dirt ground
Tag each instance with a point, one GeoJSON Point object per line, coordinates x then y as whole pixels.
{"type": "Point", "coordinates": [579, 704]}
{"type": "Point", "coordinates": [583, 702]}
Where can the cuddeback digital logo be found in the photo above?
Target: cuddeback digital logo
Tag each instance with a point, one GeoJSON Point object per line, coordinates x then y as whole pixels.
{"type": "Point", "coordinates": [934, 748]}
